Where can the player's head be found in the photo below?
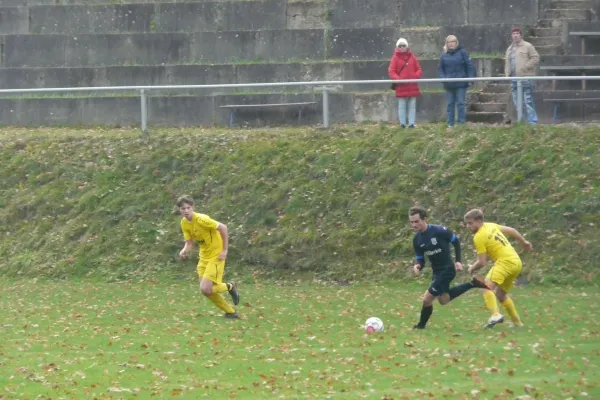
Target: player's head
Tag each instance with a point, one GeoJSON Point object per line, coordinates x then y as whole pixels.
{"type": "Point", "coordinates": [186, 206]}
{"type": "Point", "coordinates": [474, 219]}
{"type": "Point", "coordinates": [418, 219]}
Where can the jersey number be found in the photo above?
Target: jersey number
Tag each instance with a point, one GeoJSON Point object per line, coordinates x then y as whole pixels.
{"type": "Point", "coordinates": [501, 240]}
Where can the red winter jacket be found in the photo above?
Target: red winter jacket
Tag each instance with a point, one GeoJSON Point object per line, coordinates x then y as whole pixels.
{"type": "Point", "coordinates": [405, 66]}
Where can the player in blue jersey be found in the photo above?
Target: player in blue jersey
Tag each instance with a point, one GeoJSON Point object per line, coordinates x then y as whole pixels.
{"type": "Point", "coordinates": [434, 242]}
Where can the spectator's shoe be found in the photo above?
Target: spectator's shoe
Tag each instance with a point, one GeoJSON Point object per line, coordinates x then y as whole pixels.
{"type": "Point", "coordinates": [233, 292]}
{"type": "Point", "coordinates": [494, 320]}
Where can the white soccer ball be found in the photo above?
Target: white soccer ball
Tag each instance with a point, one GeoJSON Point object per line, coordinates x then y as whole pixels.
{"type": "Point", "coordinates": [374, 324]}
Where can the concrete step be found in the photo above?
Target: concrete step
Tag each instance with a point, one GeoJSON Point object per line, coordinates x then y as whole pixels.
{"type": "Point", "coordinates": [182, 17]}
{"type": "Point", "coordinates": [98, 50]}
{"type": "Point", "coordinates": [571, 4]}
{"type": "Point", "coordinates": [492, 97]}
{"type": "Point", "coordinates": [199, 74]}
{"type": "Point", "coordinates": [549, 50]}
{"type": "Point", "coordinates": [545, 41]}
{"type": "Point", "coordinates": [489, 107]}
{"type": "Point", "coordinates": [486, 117]}
{"type": "Point", "coordinates": [497, 88]}
{"type": "Point", "coordinates": [556, 23]}
{"type": "Point", "coordinates": [545, 32]}
{"type": "Point", "coordinates": [204, 110]}
{"type": "Point", "coordinates": [570, 60]}
{"type": "Point", "coordinates": [565, 13]}
{"type": "Point", "coordinates": [28, 3]}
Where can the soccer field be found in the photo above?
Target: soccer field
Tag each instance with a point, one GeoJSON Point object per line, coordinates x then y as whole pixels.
{"type": "Point", "coordinates": [156, 340]}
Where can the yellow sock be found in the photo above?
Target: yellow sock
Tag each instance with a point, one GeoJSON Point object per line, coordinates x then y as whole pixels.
{"type": "Point", "coordinates": [220, 302]}
{"type": "Point", "coordinates": [219, 288]}
{"type": "Point", "coordinates": [490, 302]}
{"type": "Point", "coordinates": [510, 308]}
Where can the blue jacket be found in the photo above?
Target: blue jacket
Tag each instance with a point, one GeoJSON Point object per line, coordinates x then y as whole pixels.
{"type": "Point", "coordinates": [456, 64]}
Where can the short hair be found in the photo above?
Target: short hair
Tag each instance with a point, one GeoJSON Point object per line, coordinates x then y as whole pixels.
{"type": "Point", "coordinates": [418, 210]}
{"type": "Point", "coordinates": [185, 199]}
{"type": "Point", "coordinates": [475, 214]}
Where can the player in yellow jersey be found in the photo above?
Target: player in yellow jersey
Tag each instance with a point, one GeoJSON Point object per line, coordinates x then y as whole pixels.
{"type": "Point", "coordinates": [490, 241]}
{"type": "Point", "coordinates": [214, 243]}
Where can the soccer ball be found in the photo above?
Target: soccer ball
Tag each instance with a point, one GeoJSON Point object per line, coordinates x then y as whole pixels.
{"type": "Point", "coordinates": [374, 324]}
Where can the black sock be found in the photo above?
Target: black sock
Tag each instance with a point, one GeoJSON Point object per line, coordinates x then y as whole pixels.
{"type": "Point", "coordinates": [459, 289]}
{"type": "Point", "coordinates": [425, 314]}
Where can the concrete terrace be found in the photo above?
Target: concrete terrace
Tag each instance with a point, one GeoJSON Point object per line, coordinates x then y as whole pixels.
{"type": "Point", "coordinates": [54, 43]}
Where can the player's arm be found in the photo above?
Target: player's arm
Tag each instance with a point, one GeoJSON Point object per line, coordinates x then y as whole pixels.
{"type": "Point", "coordinates": [479, 242]}
{"type": "Point", "coordinates": [455, 241]}
{"type": "Point", "coordinates": [189, 245]}
{"type": "Point", "coordinates": [479, 263]}
{"type": "Point", "coordinates": [457, 252]}
{"type": "Point", "coordinates": [189, 242]}
{"type": "Point", "coordinates": [419, 258]}
{"type": "Point", "coordinates": [222, 228]}
{"type": "Point", "coordinates": [507, 230]}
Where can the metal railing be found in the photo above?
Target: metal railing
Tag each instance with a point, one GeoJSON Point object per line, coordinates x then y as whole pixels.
{"type": "Point", "coordinates": [325, 87]}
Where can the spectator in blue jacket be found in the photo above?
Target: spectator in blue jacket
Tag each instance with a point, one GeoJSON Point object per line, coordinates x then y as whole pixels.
{"type": "Point", "coordinates": [455, 62]}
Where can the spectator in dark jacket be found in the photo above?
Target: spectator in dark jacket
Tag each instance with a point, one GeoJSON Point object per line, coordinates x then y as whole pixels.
{"type": "Point", "coordinates": [455, 62]}
{"type": "Point", "coordinates": [404, 65]}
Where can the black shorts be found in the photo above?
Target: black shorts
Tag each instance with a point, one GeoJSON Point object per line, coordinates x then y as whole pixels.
{"type": "Point", "coordinates": [440, 283]}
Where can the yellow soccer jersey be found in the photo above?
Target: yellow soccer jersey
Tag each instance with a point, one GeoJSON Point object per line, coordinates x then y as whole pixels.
{"type": "Point", "coordinates": [490, 240]}
{"type": "Point", "coordinates": [203, 229]}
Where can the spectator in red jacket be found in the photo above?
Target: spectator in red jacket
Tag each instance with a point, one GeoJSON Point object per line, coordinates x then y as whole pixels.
{"type": "Point", "coordinates": [404, 65]}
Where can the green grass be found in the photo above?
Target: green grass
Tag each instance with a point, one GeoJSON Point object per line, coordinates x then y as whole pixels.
{"type": "Point", "coordinates": [99, 202]}
{"type": "Point", "coordinates": [82, 339]}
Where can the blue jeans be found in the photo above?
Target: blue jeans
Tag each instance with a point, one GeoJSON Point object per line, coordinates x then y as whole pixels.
{"type": "Point", "coordinates": [527, 100]}
{"type": "Point", "coordinates": [403, 104]}
{"type": "Point", "coordinates": [456, 98]}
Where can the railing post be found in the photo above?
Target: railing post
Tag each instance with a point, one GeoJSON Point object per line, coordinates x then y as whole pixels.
{"type": "Point", "coordinates": [144, 110]}
{"type": "Point", "coordinates": [519, 101]}
{"type": "Point", "coordinates": [325, 107]}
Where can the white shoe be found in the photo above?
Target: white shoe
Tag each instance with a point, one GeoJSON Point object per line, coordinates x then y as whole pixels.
{"type": "Point", "coordinates": [494, 320]}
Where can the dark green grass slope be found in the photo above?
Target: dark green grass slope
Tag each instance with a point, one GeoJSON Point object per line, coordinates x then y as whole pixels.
{"type": "Point", "coordinates": [100, 202]}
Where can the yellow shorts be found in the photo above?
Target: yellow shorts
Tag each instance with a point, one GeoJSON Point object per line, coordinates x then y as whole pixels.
{"type": "Point", "coordinates": [212, 270]}
{"type": "Point", "coordinates": [504, 273]}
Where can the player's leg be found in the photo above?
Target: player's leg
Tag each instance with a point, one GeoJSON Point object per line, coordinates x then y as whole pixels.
{"type": "Point", "coordinates": [443, 285]}
{"type": "Point", "coordinates": [494, 277]}
{"type": "Point", "coordinates": [211, 286]}
{"type": "Point", "coordinates": [501, 279]}
{"type": "Point", "coordinates": [222, 287]}
{"type": "Point", "coordinates": [502, 289]}
{"type": "Point", "coordinates": [490, 302]}
{"type": "Point", "coordinates": [457, 290]}
{"type": "Point", "coordinates": [426, 309]}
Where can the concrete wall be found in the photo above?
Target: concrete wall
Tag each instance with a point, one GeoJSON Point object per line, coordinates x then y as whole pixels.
{"type": "Point", "coordinates": [14, 20]}
{"type": "Point", "coordinates": [90, 50]}
{"type": "Point", "coordinates": [15, 78]}
{"type": "Point", "coordinates": [105, 43]}
{"type": "Point", "coordinates": [160, 49]}
{"type": "Point", "coordinates": [152, 16]}
{"type": "Point", "coordinates": [384, 13]}
{"type": "Point", "coordinates": [206, 111]}
{"type": "Point", "coordinates": [156, 18]}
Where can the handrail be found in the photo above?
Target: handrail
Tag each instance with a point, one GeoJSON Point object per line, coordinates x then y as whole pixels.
{"type": "Point", "coordinates": [323, 85]}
